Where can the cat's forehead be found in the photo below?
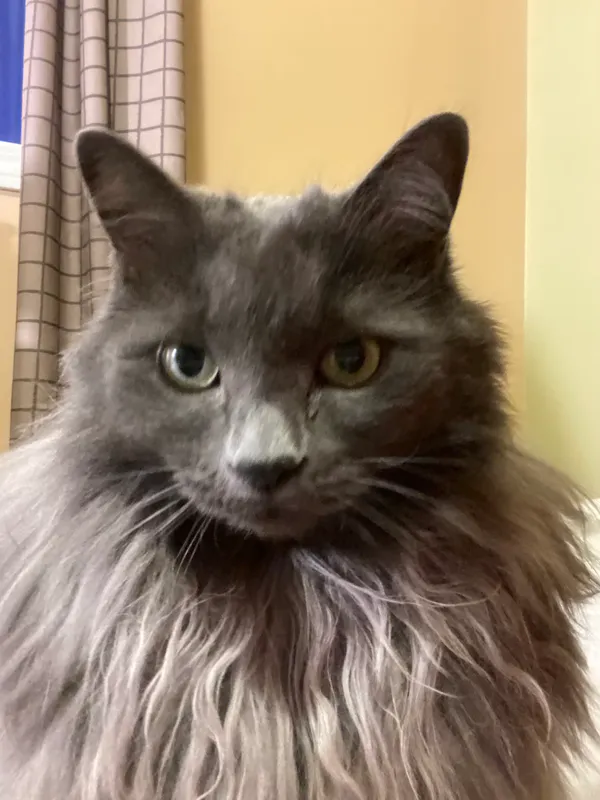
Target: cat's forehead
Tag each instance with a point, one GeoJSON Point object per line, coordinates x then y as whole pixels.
{"type": "Point", "coordinates": [229, 214]}
{"type": "Point", "coordinates": [269, 261]}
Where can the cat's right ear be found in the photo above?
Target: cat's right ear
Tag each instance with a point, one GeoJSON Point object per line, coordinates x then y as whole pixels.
{"type": "Point", "coordinates": [142, 210]}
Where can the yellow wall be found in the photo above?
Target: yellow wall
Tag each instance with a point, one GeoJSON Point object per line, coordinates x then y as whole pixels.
{"type": "Point", "coordinates": [280, 94]}
{"type": "Point", "coordinates": [9, 220]}
{"type": "Point", "coordinates": [563, 263]}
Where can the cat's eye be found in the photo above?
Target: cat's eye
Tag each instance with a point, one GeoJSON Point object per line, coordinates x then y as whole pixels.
{"type": "Point", "coordinates": [188, 368]}
{"type": "Point", "coordinates": [352, 363]}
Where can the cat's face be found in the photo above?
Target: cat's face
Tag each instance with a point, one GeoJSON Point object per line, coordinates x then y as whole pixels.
{"type": "Point", "coordinates": [274, 354]}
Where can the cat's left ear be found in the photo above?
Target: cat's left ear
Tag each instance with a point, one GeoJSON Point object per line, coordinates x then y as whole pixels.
{"type": "Point", "coordinates": [415, 188]}
{"type": "Point", "coordinates": [145, 214]}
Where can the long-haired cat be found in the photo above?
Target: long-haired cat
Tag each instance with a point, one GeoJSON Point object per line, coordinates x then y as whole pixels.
{"type": "Point", "coordinates": [277, 542]}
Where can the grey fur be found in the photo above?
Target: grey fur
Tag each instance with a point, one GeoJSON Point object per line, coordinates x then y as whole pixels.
{"type": "Point", "coordinates": [395, 622]}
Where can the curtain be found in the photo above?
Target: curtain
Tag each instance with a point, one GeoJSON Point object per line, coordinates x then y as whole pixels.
{"type": "Point", "coordinates": [116, 63]}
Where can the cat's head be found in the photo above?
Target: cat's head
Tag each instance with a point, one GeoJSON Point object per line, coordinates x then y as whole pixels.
{"type": "Point", "coordinates": [281, 357]}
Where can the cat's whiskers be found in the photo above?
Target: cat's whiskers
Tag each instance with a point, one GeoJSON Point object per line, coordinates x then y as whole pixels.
{"type": "Point", "coordinates": [149, 501]}
{"type": "Point", "coordinates": [393, 462]}
{"type": "Point", "coordinates": [142, 472]}
{"type": "Point", "coordinates": [153, 519]}
{"type": "Point", "coordinates": [366, 512]}
{"type": "Point", "coordinates": [388, 486]}
{"type": "Point", "coordinates": [192, 542]}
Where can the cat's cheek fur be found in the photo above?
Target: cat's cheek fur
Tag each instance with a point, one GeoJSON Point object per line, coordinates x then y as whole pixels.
{"type": "Point", "coordinates": [399, 412]}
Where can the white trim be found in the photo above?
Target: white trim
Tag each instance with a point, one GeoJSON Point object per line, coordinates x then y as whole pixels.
{"type": "Point", "coordinates": [10, 165]}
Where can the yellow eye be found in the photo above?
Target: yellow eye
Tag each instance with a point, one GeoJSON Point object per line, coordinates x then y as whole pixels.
{"type": "Point", "coordinates": [351, 364]}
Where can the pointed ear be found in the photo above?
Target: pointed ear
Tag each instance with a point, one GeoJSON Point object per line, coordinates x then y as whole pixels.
{"type": "Point", "coordinates": [415, 188]}
{"type": "Point", "coordinates": [142, 210]}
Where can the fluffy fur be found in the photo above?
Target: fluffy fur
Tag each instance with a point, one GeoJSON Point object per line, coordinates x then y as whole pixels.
{"type": "Point", "coordinates": [400, 627]}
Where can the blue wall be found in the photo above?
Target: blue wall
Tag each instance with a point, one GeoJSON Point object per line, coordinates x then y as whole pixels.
{"type": "Point", "coordinates": [12, 27]}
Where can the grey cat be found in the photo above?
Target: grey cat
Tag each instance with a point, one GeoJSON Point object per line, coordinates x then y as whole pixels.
{"type": "Point", "coordinates": [277, 542]}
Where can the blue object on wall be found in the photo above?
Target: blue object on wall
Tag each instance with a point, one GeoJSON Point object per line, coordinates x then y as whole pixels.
{"type": "Point", "coordinates": [12, 34]}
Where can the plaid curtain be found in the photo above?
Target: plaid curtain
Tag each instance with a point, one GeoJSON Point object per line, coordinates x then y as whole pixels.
{"type": "Point", "coordinates": [116, 63]}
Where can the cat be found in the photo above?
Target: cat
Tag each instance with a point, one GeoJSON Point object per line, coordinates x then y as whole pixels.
{"type": "Point", "coordinates": [277, 541]}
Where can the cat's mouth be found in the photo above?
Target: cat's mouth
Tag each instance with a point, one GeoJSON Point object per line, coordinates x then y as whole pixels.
{"type": "Point", "coordinates": [293, 512]}
{"type": "Point", "coordinates": [267, 518]}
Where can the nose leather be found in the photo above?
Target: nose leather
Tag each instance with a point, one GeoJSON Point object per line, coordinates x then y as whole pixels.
{"type": "Point", "coordinates": [266, 476]}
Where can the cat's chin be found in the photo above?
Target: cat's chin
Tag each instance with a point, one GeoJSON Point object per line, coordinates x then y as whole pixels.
{"type": "Point", "coordinates": [273, 525]}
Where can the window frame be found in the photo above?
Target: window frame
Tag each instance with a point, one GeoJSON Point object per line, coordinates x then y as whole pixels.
{"type": "Point", "coordinates": [10, 166]}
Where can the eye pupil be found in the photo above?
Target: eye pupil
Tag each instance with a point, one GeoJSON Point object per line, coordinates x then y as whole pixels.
{"type": "Point", "coordinates": [350, 356]}
{"type": "Point", "coordinates": [189, 361]}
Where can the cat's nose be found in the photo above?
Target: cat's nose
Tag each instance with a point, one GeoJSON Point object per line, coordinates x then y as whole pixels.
{"type": "Point", "coordinates": [267, 476]}
{"type": "Point", "coordinates": [265, 447]}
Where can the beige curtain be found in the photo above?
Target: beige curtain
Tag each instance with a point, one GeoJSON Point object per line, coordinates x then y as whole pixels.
{"type": "Point", "coordinates": [117, 63]}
